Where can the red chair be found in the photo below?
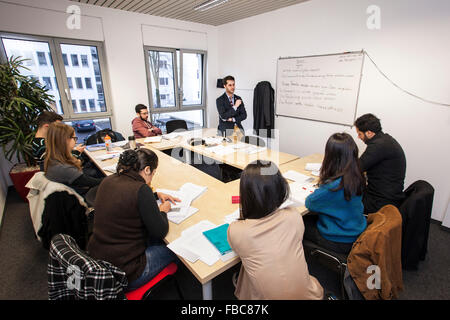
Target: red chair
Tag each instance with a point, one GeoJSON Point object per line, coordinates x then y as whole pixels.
{"type": "Point", "coordinates": [145, 292]}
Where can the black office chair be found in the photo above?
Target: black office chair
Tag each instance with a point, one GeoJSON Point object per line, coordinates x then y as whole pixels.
{"type": "Point", "coordinates": [334, 261]}
{"type": "Point", "coordinates": [416, 217]}
{"type": "Point", "coordinates": [99, 136]}
{"type": "Point", "coordinates": [257, 141]}
{"type": "Point", "coordinates": [173, 125]}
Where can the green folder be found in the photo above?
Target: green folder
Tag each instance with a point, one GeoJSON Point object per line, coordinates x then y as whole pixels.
{"type": "Point", "coordinates": [218, 237]}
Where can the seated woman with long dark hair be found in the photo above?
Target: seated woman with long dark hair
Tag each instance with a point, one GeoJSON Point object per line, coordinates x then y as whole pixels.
{"type": "Point", "coordinates": [129, 227]}
{"type": "Point", "coordinates": [337, 210]}
{"type": "Point", "coordinates": [266, 238]}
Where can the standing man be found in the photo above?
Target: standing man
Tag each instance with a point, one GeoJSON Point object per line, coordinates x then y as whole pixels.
{"type": "Point", "coordinates": [384, 163]}
{"type": "Point", "coordinates": [230, 107]}
{"type": "Point", "coordinates": [143, 128]}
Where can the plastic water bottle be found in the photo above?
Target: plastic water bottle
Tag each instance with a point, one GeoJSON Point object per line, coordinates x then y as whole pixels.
{"type": "Point", "coordinates": [108, 143]}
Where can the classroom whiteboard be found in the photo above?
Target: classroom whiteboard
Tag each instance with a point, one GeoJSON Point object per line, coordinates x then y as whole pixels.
{"type": "Point", "coordinates": [322, 88]}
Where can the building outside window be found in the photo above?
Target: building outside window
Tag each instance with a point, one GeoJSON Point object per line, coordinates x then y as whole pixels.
{"type": "Point", "coordinates": [176, 82]}
{"type": "Point", "coordinates": [48, 83]}
{"type": "Point", "coordinates": [79, 83]}
{"type": "Point", "coordinates": [66, 62]}
{"type": "Point", "coordinates": [88, 83]}
{"type": "Point", "coordinates": [65, 93]}
{"type": "Point", "coordinates": [74, 58]}
{"type": "Point", "coordinates": [41, 58]}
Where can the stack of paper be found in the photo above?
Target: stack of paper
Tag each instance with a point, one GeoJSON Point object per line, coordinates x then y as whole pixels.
{"type": "Point", "coordinates": [193, 245]}
{"type": "Point", "coordinates": [119, 143]}
{"type": "Point", "coordinates": [96, 147]}
{"type": "Point", "coordinates": [153, 139]}
{"type": "Point", "coordinates": [314, 168]}
{"type": "Point", "coordinates": [221, 150]}
{"type": "Point", "coordinates": [211, 141]}
{"type": "Point", "coordinates": [297, 176]}
{"type": "Point", "coordinates": [299, 191]}
{"type": "Point", "coordinates": [232, 217]}
{"type": "Point", "coordinates": [169, 136]}
{"type": "Point", "coordinates": [183, 210]}
{"type": "Point", "coordinates": [110, 155]}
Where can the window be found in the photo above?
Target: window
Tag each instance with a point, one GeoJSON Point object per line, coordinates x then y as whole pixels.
{"type": "Point", "coordinates": [29, 50]}
{"type": "Point", "coordinates": [79, 83]}
{"type": "Point", "coordinates": [66, 62]}
{"type": "Point", "coordinates": [91, 104]}
{"type": "Point", "coordinates": [74, 58]}
{"type": "Point", "coordinates": [176, 84]}
{"type": "Point", "coordinates": [48, 83]}
{"type": "Point", "coordinates": [84, 60]}
{"type": "Point", "coordinates": [74, 105]}
{"type": "Point", "coordinates": [41, 58]}
{"type": "Point", "coordinates": [83, 105]}
{"type": "Point", "coordinates": [71, 101]}
{"type": "Point", "coordinates": [88, 83]}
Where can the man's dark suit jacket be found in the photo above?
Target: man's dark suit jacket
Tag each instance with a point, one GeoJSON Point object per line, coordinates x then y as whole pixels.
{"type": "Point", "coordinates": [226, 111]}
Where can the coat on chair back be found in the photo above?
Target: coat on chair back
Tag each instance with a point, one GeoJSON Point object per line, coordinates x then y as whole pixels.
{"type": "Point", "coordinates": [374, 261]}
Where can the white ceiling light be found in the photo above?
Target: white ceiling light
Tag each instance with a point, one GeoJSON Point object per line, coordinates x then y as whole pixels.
{"type": "Point", "coordinates": [209, 4]}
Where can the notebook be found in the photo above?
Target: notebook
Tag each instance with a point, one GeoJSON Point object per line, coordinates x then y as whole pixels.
{"type": "Point", "coordinates": [218, 237]}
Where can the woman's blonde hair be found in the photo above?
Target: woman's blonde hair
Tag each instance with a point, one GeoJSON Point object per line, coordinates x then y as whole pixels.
{"type": "Point", "coordinates": [56, 145]}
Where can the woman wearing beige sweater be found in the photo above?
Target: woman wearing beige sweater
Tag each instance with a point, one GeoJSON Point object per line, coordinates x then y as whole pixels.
{"type": "Point", "coordinates": [269, 240]}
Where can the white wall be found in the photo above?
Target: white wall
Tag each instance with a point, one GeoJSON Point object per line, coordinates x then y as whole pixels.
{"type": "Point", "coordinates": [411, 47]}
{"type": "Point", "coordinates": [124, 34]}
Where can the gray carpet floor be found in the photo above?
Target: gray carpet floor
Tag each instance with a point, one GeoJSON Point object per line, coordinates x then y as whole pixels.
{"type": "Point", "coordinates": [23, 266]}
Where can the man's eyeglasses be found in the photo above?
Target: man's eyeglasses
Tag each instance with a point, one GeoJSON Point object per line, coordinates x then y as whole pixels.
{"type": "Point", "coordinates": [144, 113]}
{"type": "Point", "coordinates": [74, 138]}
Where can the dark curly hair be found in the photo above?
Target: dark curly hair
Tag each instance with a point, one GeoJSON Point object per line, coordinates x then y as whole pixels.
{"type": "Point", "coordinates": [137, 160]}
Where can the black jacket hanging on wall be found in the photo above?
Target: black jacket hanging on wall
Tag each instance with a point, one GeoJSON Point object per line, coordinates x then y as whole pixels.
{"type": "Point", "coordinates": [263, 108]}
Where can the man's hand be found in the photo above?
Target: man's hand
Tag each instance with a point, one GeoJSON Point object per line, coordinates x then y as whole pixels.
{"type": "Point", "coordinates": [237, 103]}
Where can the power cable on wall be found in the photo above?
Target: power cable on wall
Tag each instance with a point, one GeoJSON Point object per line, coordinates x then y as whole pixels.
{"type": "Point", "coordinates": [405, 91]}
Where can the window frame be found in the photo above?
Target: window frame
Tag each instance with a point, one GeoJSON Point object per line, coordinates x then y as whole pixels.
{"type": "Point", "coordinates": [59, 68]}
{"type": "Point", "coordinates": [178, 82]}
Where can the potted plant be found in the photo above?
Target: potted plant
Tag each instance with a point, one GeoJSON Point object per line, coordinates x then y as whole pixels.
{"type": "Point", "coordinates": [22, 99]}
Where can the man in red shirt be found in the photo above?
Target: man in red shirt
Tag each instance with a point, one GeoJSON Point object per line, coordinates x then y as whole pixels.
{"type": "Point", "coordinates": [143, 128]}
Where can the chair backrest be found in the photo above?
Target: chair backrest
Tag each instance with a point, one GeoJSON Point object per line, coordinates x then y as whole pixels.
{"type": "Point", "coordinates": [99, 136]}
{"type": "Point", "coordinates": [73, 274]}
{"type": "Point", "coordinates": [173, 125]}
{"type": "Point", "coordinates": [257, 141]}
{"type": "Point", "coordinates": [416, 216]}
{"type": "Point", "coordinates": [375, 259]}
{"type": "Point", "coordinates": [63, 213]}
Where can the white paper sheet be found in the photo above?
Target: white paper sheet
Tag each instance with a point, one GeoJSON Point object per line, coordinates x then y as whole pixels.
{"type": "Point", "coordinates": [111, 168]}
{"type": "Point", "coordinates": [313, 166]}
{"type": "Point", "coordinates": [297, 176]}
{"type": "Point", "coordinates": [110, 155]}
{"type": "Point", "coordinates": [299, 191]}
{"type": "Point", "coordinates": [153, 139]}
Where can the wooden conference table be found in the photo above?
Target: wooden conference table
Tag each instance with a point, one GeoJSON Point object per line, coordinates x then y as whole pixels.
{"type": "Point", "coordinates": [215, 203]}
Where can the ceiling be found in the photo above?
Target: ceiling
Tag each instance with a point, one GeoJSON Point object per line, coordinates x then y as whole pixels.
{"type": "Point", "coordinates": [230, 11]}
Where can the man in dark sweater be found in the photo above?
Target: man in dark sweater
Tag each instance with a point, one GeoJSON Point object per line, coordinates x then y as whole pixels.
{"type": "Point", "coordinates": [384, 163]}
